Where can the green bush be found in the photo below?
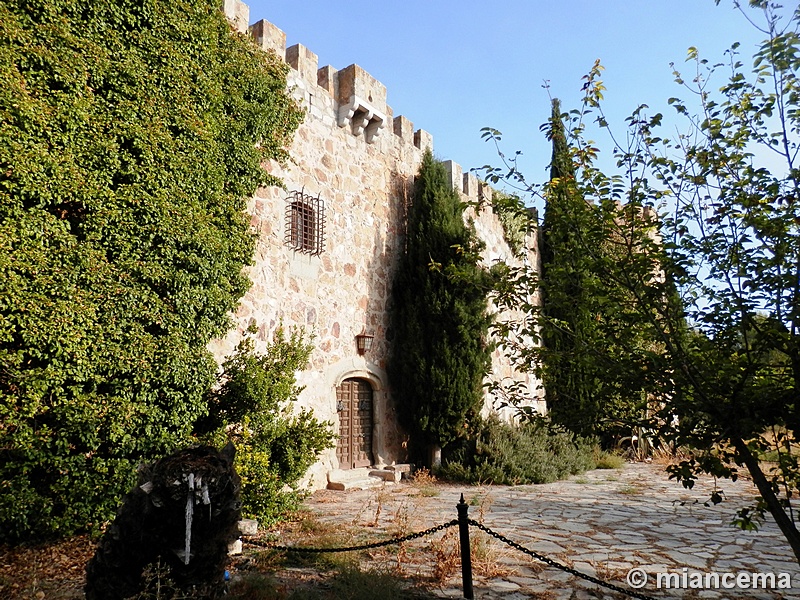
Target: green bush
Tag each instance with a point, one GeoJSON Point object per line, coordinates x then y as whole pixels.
{"type": "Point", "coordinates": [252, 407]}
{"type": "Point", "coordinates": [503, 453]}
{"type": "Point", "coordinates": [608, 460]}
{"type": "Point", "coordinates": [131, 134]}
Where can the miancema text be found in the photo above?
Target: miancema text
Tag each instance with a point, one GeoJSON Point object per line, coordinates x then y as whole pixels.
{"type": "Point", "coordinates": [741, 580]}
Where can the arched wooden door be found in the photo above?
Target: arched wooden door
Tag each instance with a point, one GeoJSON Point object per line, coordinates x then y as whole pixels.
{"type": "Point", "coordinates": [354, 405]}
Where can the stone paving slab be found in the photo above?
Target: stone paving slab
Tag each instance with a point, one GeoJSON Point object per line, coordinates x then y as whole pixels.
{"type": "Point", "coordinates": [603, 523]}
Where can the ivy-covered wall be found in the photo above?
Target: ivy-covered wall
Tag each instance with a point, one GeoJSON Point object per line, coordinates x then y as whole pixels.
{"type": "Point", "coordinates": [131, 134]}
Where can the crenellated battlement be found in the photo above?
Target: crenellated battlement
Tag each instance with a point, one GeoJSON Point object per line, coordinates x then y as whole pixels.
{"type": "Point", "coordinates": [352, 100]}
{"type": "Point", "coordinates": [360, 98]}
{"type": "Point", "coordinates": [361, 101]}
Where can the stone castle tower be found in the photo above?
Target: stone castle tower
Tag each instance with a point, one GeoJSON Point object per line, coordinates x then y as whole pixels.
{"type": "Point", "coordinates": [329, 245]}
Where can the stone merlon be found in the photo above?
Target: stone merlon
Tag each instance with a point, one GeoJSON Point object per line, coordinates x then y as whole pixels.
{"type": "Point", "coordinates": [304, 61]}
{"type": "Point", "coordinates": [238, 14]}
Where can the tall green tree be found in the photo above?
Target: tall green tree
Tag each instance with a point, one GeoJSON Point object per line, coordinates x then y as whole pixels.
{"type": "Point", "coordinates": [131, 134]}
{"type": "Point", "coordinates": [718, 282]}
{"type": "Point", "coordinates": [440, 320]}
{"type": "Point", "coordinates": [570, 288]}
{"type": "Point", "coordinates": [583, 322]}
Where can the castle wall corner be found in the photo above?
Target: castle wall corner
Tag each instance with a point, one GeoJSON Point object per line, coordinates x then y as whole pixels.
{"type": "Point", "coordinates": [238, 14]}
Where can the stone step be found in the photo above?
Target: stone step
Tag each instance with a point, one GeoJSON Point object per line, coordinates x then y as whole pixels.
{"type": "Point", "coordinates": [404, 469]}
{"type": "Point", "coordinates": [387, 475]}
{"type": "Point", "coordinates": [353, 479]}
{"type": "Point", "coordinates": [368, 477]}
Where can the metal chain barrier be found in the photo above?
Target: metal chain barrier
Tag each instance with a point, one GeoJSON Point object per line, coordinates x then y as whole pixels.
{"type": "Point", "coordinates": [412, 536]}
{"type": "Point", "coordinates": [453, 523]}
{"type": "Point", "coordinates": [558, 565]}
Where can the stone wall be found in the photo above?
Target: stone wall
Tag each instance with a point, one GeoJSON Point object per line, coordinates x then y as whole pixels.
{"type": "Point", "coordinates": [357, 161]}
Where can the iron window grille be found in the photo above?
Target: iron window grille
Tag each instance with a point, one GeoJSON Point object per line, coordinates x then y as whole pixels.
{"type": "Point", "coordinates": [305, 223]}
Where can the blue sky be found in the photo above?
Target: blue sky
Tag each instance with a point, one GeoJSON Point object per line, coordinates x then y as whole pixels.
{"type": "Point", "coordinates": [455, 67]}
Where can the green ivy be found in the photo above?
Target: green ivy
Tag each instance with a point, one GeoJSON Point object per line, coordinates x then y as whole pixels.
{"type": "Point", "coordinates": [515, 219]}
{"type": "Point", "coordinates": [131, 134]}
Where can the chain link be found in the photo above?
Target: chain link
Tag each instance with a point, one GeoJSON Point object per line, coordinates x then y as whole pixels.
{"type": "Point", "coordinates": [558, 565]}
{"type": "Point", "coordinates": [412, 536]}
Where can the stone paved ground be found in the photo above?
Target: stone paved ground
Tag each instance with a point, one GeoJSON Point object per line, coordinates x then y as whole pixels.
{"type": "Point", "coordinates": [603, 523]}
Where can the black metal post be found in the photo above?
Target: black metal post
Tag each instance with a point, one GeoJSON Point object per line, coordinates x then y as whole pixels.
{"type": "Point", "coordinates": [466, 556]}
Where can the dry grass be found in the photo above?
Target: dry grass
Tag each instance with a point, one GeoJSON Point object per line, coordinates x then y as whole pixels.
{"type": "Point", "coordinates": [380, 498]}
{"type": "Point", "coordinates": [447, 556]}
{"type": "Point", "coordinates": [425, 483]}
{"type": "Point", "coordinates": [484, 554]}
{"type": "Point", "coordinates": [400, 525]}
{"type": "Point", "coordinates": [399, 571]}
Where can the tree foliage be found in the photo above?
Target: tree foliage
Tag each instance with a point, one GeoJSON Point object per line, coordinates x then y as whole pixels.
{"type": "Point", "coordinates": [439, 315]}
{"type": "Point", "coordinates": [252, 406]}
{"type": "Point", "coordinates": [572, 294]}
{"type": "Point", "coordinates": [130, 135]}
{"type": "Point", "coordinates": [510, 210]}
{"type": "Point", "coordinates": [718, 284]}
{"type": "Point", "coordinates": [586, 322]}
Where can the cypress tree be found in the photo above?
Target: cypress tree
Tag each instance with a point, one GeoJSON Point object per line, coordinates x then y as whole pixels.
{"type": "Point", "coordinates": [439, 317]}
{"type": "Point", "coordinates": [569, 287]}
{"type": "Point", "coordinates": [589, 327]}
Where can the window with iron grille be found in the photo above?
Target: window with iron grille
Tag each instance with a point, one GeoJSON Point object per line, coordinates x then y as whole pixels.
{"type": "Point", "coordinates": [305, 223]}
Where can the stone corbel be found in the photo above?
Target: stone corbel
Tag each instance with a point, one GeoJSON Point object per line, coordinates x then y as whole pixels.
{"type": "Point", "coordinates": [362, 117]}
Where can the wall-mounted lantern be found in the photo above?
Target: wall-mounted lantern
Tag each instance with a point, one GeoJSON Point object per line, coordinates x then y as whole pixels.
{"type": "Point", "coordinates": [364, 342]}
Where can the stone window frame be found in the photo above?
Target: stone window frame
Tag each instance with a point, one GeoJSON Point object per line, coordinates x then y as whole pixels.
{"type": "Point", "coordinates": [305, 223]}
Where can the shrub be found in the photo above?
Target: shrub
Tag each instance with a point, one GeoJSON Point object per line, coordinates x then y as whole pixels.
{"type": "Point", "coordinates": [252, 406]}
{"type": "Point", "coordinates": [532, 452]}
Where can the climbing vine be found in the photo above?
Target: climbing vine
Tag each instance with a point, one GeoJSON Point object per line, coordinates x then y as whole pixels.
{"type": "Point", "coordinates": [131, 134]}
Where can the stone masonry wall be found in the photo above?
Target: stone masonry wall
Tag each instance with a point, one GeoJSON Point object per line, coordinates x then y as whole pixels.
{"type": "Point", "coordinates": [360, 161]}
